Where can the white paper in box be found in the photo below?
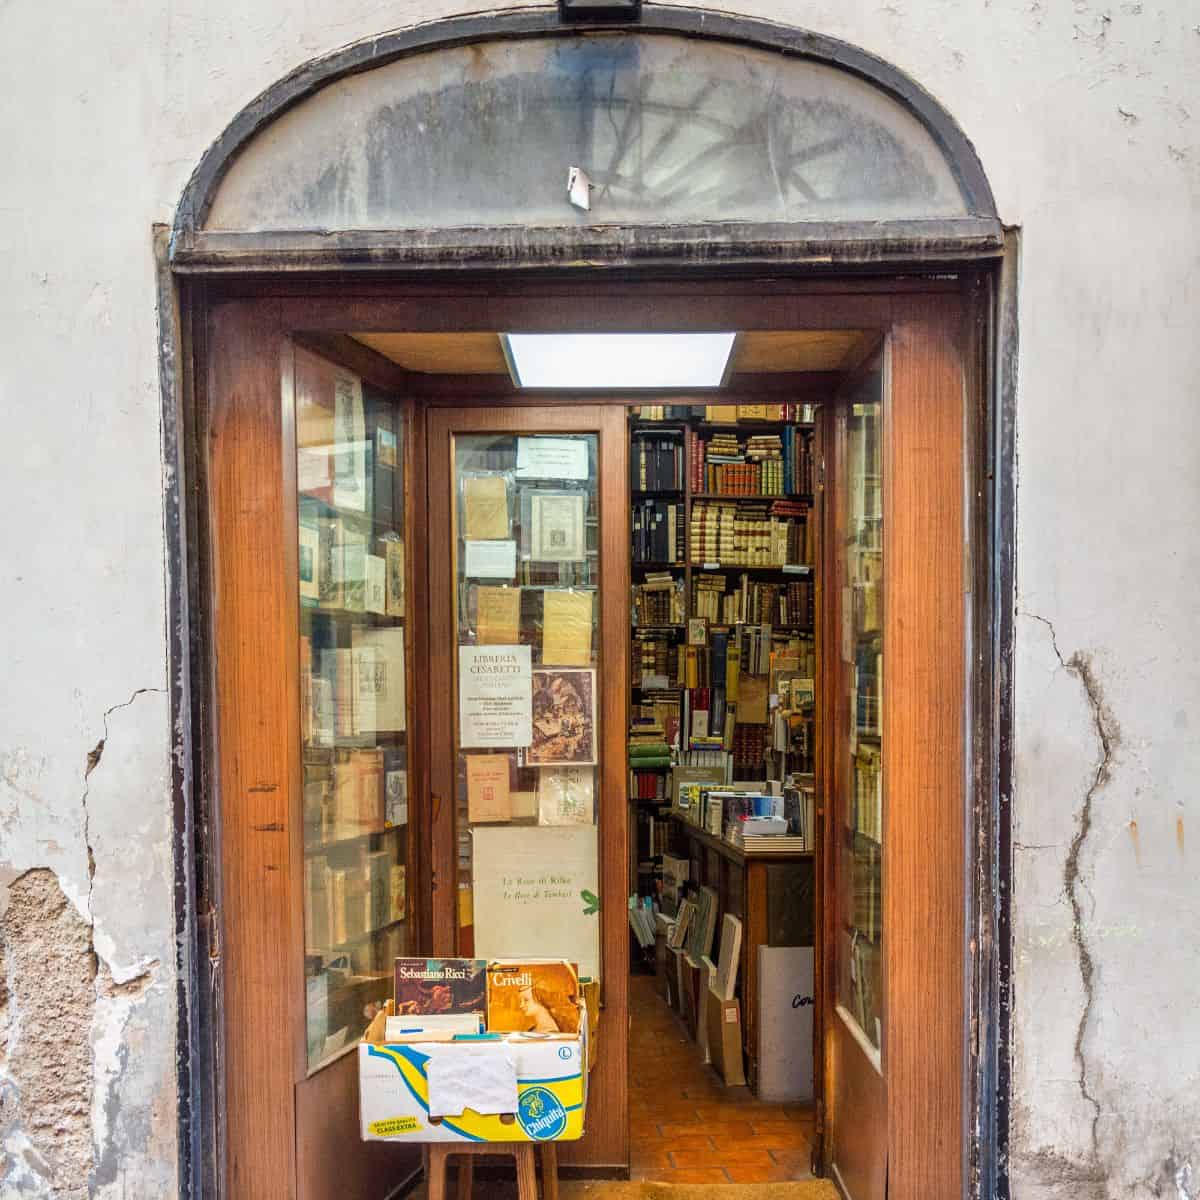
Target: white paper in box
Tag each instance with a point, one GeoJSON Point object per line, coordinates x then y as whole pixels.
{"type": "Point", "coordinates": [551, 1091]}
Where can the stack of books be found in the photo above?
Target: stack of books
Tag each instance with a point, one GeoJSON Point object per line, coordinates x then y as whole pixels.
{"type": "Point", "coordinates": [658, 600]}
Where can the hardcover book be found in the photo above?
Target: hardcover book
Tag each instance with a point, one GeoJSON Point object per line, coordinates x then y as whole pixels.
{"type": "Point", "coordinates": [440, 985]}
{"type": "Point", "coordinates": [538, 996]}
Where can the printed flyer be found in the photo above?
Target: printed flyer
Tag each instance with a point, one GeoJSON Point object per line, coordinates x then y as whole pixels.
{"type": "Point", "coordinates": [495, 694]}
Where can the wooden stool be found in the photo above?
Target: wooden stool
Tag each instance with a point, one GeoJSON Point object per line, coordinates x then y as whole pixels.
{"type": "Point", "coordinates": [436, 1154]}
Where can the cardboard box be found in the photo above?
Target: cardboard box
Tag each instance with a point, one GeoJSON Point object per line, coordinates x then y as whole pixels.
{"type": "Point", "coordinates": [724, 1023]}
{"type": "Point", "coordinates": [551, 1089]}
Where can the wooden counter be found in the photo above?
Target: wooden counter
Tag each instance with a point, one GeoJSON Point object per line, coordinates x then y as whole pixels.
{"type": "Point", "coordinates": [770, 893]}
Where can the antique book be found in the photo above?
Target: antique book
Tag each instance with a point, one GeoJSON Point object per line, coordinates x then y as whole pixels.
{"type": "Point", "coordinates": [379, 699]}
{"type": "Point", "coordinates": [753, 697]}
{"type": "Point", "coordinates": [440, 985]}
{"type": "Point", "coordinates": [558, 532]}
{"type": "Point", "coordinates": [376, 584]}
{"type": "Point", "coordinates": [354, 568]}
{"type": "Point", "coordinates": [308, 562]}
{"type": "Point", "coordinates": [497, 615]}
{"type": "Point", "coordinates": [535, 996]}
{"type": "Point", "coordinates": [524, 805]}
{"type": "Point", "coordinates": [563, 718]}
{"type": "Point", "coordinates": [357, 793]}
{"type": "Point", "coordinates": [485, 507]}
{"type": "Point", "coordinates": [329, 565]}
{"type": "Point", "coordinates": [488, 788]}
{"type": "Point", "coordinates": [394, 559]}
{"type": "Point", "coordinates": [350, 445]}
{"type": "Point", "coordinates": [566, 796]}
{"type": "Point", "coordinates": [567, 627]}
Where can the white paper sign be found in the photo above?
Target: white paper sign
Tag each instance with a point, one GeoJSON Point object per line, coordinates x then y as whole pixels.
{"type": "Point", "coordinates": [536, 892]}
{"type": "Point", "coordinates": [552, 458]}
{"type": "Point", "coordinates": [495, 696]}
{"type": "Point", "coordinates": [482, 1078]}
{"type": "Point", "coordinates": [490, 560]}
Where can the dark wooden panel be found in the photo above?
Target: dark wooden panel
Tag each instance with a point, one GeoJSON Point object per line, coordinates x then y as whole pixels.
{"type": "Point", "coordinates": [923, 751]}
{"type": "Point", "coordinates": [254, 638]}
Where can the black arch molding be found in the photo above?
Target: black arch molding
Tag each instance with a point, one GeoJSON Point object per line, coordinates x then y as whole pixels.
{"type": "Point", "coordinates": [976, 235]}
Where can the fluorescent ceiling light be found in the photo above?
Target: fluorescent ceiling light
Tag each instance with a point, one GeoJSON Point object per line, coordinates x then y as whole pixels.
{"type": "Point", "coordinates": [618, 360]}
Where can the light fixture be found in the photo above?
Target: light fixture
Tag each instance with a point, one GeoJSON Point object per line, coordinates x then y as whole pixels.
{"type": "Point", "coordinates": [618, 361]}
{"type": "Point", "coordinates": [571, 11]}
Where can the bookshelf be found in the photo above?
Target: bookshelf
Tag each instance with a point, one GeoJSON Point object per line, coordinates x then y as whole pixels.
{"type": "Point", "coordinates": [724, 578]}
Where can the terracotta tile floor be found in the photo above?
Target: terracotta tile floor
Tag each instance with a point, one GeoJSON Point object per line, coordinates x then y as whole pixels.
{"type": "Point", "coordinates": [686, 1126]}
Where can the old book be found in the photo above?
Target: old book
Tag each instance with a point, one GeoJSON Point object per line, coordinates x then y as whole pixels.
{"type": "Point", "coordinates": [357, 793]}
{"type": "Point", "coordinates": [536, 996]}
{"type": "Point", "coordinates": [354, 568]}
{"type": "Point", "coordinates": [564, 718]}
{"type": "Point", "coordinates": [379, 697]}
{"type": "Point", "coordinates": [497, 615]}
{"type": "Point", "coordinates": [485, 507]}
{"type": "Point", "coordinates": [567, 628]}
{"type": "Point", "coordinates": [558, 532]}
{"type": "Point", "coordinates": [524, 805]}
{"type": "Point", "coordinates": [398, 892]}
{"type": "Point", "coordinates": [488, 788]}
{"type": "Point", "coordinates": [730, 957]}
{"type": "Point", "coordinates": [329, 565]}
{"type": "Point", "coordinates": [376, 590]}
{"type": "Point", "coordinates": [753, 699]}
{"type": "Point", "coordinates": [440, 985]}
{"type": "Point", "coordinates": [566, 796]}
{"type": "Point", "coordinates": [308, 562]}
{"type": "Point", "coordinates": [394, 560]}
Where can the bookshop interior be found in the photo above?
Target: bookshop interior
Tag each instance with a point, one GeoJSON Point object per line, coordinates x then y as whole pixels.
{"type": "Point", "coordinates": [590, 695]}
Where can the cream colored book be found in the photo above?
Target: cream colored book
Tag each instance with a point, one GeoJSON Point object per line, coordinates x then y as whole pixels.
{"type": "Point", "coordinates": [497, 616]}
{"type": "Point", "coordinates": [485, 507]}
{"type": "Point", "coordinates": [567, 628]}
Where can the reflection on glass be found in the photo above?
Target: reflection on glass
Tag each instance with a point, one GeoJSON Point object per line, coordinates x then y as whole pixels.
{"type": "Point", "coordinates": [860, 983]}
{"type": "Point", "coordinates": [353, 705]}
{"type": "Point", "coordinates": [670, 130]}
{"type": "Point", "coordinates": [527, 580]}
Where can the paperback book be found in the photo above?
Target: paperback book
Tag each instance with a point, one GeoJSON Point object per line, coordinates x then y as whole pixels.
{"type": "Point", "coordinates": [440, 985]}
{"type": "Point", "coordinates": [536, 996]}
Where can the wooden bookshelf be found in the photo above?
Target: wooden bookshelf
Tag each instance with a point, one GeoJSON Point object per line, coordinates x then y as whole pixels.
{"type": "Point", "coordinates": [681, 431]}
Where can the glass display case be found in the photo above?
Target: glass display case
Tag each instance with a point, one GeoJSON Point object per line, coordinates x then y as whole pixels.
{"type": "Point", "coordinates": [527, 749]}
{"type": "Point", "coordinates": [859, 764]}
{"type": "Point", "coordinates": [353, 699]}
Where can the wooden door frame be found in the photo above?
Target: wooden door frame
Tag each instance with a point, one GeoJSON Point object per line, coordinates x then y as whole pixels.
{"type": "Point", "coordinates": [324, 305]}
{"type": "Point", "coordinates": [605, 1145]}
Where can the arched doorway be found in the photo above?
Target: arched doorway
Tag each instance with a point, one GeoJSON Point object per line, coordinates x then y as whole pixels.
{"type": "Point", "coordinates": [717, 148]}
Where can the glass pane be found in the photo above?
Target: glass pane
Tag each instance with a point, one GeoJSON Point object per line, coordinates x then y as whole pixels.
{"type": "Point", "coordinates": [860, 982]}
{"type": "Point", "coordinates": [527, 743]}
{"type": "Point", "coordinates": [668, 129]}
{"type": "Point", "coordinates": [349, 471]}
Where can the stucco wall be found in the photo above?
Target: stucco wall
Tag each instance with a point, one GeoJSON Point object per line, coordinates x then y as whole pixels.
{"type": "Point", "coordinates": [1084, 115]}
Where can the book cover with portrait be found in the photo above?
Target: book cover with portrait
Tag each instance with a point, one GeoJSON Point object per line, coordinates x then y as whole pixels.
{"type": "Point", "coordinates": [537, 996]}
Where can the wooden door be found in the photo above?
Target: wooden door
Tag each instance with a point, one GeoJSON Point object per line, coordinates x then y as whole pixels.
{"type": "Point", "coordinates": [299, 979]}
{"type": "Point", "coordinates": [474, 464]}
{"type": "Point", "coordinates": [895, 764]}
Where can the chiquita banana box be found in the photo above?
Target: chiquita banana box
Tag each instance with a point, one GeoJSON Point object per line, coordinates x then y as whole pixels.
{"type": "Point", "coordinates": [517, 1089]}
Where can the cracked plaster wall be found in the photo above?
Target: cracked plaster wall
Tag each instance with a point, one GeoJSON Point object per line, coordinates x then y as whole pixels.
{"type": "Point", "coordinates": [1084, 115]}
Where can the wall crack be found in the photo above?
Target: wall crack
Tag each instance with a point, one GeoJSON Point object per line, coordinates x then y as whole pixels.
{"type": "Point", "coordinates": [1081, 667]}
{"type": "Point", "coordinates": [94, 755]}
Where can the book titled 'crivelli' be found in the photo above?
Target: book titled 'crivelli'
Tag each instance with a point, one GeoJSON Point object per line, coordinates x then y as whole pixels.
{"type": "Point", "coordinates": [535, 996]}
{"type": "Point", "coordinates": [440, 985]}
